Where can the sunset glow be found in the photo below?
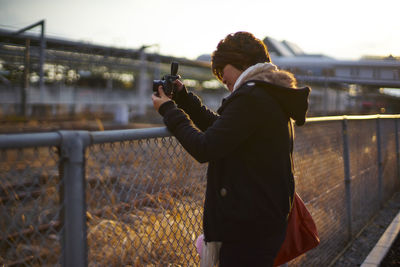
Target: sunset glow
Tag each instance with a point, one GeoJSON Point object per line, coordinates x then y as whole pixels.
{"type": "Point", "coordinates": [341, 29]}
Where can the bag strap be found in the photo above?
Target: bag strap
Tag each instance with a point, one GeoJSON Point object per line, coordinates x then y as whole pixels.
{"type": "Point", "coordinates": [291, 182]}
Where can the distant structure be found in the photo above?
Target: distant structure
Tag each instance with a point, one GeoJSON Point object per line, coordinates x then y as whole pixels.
{"type": "Point", "coordinates": [281, 49]}
{"type": "Point", "coordinates": [286, 49]}
{"type": "Point", "coordinates": [368, 71]}
{"type": "Point", "coordinates": [82, 77]}
{"type": "Point", "coordinates": [368, 85]}
{"type": "Point", "coordinates": [204, 57]}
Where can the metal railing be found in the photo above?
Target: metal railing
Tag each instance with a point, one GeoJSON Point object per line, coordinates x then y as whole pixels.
{"type": "Point", "coordinates": [135, 197]}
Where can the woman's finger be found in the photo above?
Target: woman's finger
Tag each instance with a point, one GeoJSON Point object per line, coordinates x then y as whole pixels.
{"type": "Point", "coordinates": [161, 91]}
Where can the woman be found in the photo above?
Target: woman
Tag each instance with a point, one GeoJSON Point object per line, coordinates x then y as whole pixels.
{"type": "Point", "coordinates": [247, 144]}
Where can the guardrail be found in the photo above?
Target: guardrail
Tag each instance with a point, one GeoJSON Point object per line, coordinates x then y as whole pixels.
{"type": "Point", "coordinates": [134, 197]}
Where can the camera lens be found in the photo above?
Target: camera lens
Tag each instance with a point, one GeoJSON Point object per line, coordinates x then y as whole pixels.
{"type": "Point", "coordinates": [156, 84]}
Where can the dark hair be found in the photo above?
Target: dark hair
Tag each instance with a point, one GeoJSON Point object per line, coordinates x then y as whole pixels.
{"type": "Point", "coordinates": [241, 50]}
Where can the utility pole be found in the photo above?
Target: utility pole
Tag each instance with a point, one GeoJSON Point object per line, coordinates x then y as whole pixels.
{"type": "Point", "coordinates": [25, 78]}
{"type": "Point", "coordinates": [144, 83]}
{"type": "Point", "coordinates": [41, 53]}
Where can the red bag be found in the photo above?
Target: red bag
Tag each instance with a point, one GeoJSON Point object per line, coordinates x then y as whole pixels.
{"type": "Point", "coordinates": [301, 233]}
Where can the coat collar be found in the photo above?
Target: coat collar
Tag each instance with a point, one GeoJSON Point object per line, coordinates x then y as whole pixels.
{"type": "Point", "coordinates": [250, 70]}
{"type": "Point", "coordinates": [267, 72]}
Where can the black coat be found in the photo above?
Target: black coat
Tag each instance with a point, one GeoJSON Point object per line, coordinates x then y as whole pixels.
{"type": "Point", "coordinates": [248, 147]}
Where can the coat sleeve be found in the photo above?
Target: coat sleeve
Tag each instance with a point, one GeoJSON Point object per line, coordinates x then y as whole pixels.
{"type": "Point", "coordinates": [239, 119]}
{"type": "Point", "coordinates": [198, 113]}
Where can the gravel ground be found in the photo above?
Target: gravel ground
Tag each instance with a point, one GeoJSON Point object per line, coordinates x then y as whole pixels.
{"type": "Point", "coordinates": [393, 256]}
{"type": "Point", "coordinates": [365, 242]}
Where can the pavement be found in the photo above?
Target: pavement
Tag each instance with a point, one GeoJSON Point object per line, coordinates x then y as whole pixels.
{"type": "Point", "coordinates": [357, 252]}
{"type": "Point", "coordinates": [378, 253]}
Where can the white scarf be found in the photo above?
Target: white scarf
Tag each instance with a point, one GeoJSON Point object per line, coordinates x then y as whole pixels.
{"type": "Point", "coordinates": [210, 254]}
{"type": "Point", "coordinates": [251, 69]}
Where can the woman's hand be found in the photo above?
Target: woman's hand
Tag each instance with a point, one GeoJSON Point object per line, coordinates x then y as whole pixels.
{"type": "Point", "coordinates": [178, 85]}
{"type": "Point", "coordinates": [159, 99]}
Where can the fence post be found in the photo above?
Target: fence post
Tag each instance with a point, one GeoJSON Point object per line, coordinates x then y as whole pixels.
{"type": "Point", "coordinates": [379, 159]}
{"type": "Point", "coordinates": [347, 178]}
{"type": "Point", "coordinates": [72, 173]}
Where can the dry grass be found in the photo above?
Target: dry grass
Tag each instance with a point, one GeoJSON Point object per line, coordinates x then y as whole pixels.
{"type": "Point", "coordinates": [144, 202]}
{"type": "Point", "coordinates": [154, 237]}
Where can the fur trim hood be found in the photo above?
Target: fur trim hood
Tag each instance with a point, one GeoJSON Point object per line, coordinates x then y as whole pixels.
{"type": "Point", "coordinates": [281, 85]}
{"type": "Point", "coordinates": [266, 72]}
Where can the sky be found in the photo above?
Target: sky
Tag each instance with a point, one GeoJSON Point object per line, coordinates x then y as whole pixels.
{"type": "Point", "coordinates": [343, 29]}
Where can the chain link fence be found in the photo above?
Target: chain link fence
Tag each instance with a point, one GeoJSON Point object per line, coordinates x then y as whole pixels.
{"type": "Point", "coordinates": [135, 197]}
{"type": "Point", "coordinates": [30, 208]}
{"type": "Point", "coordinates": [346, 169]}
{"type": "Point", "coordinates": [144, 202]}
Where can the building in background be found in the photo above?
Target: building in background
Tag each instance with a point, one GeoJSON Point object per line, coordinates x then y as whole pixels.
{"type": "Point", "coordinates": [82, 78]}
{"type": "Point", "coordinates": [364, 86]}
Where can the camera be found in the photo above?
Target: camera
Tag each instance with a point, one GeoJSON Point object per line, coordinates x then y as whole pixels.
{"type": "Point", "coordinates": [167, 81]}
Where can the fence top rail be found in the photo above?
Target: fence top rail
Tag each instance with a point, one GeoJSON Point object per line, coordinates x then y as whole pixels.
{"type": "Point", "coordinates": [99, 137]}
{"type": "Point", "coordinates": [21, 140]}
{"type": "Point", "coordinates": [353, 117]}
{"type": "Point", "coordinates": [29, 140]}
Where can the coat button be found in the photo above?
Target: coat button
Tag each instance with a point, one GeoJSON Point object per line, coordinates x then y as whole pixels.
{"type": "Point", "coordinates": [223, 192]}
